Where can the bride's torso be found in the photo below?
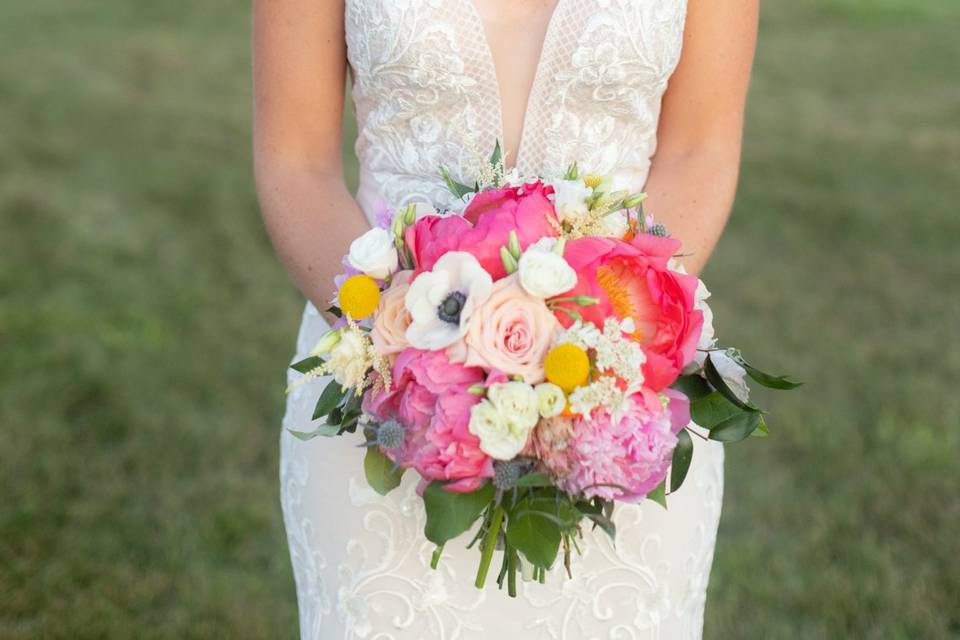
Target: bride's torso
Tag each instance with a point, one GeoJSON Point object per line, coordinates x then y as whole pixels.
{"type": "Point", "coordinates": [439, 81]}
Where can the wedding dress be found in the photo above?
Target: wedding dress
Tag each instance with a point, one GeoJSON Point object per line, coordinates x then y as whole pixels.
{"type": "Point", "coordinates": [425, 93]}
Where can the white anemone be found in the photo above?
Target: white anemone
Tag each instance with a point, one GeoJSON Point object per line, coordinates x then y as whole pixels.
{"type": "Point", "coordinates": [441, 301]}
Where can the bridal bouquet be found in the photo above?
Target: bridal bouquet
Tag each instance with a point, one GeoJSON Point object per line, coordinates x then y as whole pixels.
{"type": "Point", "coordinates": [534, 360]}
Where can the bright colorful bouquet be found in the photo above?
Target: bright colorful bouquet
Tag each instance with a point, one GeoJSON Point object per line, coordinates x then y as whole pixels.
{"type": "Point", "coordinates": [534, 360]}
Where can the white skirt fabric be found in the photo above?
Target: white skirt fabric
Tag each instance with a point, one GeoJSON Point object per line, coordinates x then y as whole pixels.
{"type": "Point", "coordinates": [362, 565]}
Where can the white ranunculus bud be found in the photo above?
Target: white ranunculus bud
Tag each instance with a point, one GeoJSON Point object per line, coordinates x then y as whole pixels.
{"type": "Point", "coordinates": [551, 400]}
{"type": "Point", "coordinates": [327, 342]}
{"type": "Point", "coordinates": [571, 199]}
{"type": "Point", "coordinates": [544, 274]}
{"type": "Point", "coordinates": [374, 253]}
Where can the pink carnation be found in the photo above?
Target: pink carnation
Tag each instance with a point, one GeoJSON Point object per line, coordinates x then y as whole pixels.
{"type": "Point", "coordinates": [429, 398]}
{"type": "Point", "coordinates": [485, 227]}
{"type": "Point", "coordinates": [627, 460]}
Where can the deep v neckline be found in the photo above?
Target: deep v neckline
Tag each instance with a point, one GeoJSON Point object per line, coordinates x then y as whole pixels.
{"type": "Point", "coordinates": [545, 49]}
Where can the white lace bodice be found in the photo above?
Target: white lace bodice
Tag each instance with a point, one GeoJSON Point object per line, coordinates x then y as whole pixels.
{"type": "Point", "coordinates": [425, 92]}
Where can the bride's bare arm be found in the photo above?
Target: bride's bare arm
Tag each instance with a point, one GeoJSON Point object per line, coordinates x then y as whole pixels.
{"type": "Point", "coordinates": [694, 173]}
{"type": "Point", "coordinates": [299, 72]}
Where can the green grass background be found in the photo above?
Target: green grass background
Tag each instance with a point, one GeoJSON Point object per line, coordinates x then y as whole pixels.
{"type": "Point", "coordinates": [145, 325]}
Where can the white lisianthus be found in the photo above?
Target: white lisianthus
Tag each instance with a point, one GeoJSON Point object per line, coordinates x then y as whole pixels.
{"type": "Point", "coordinates": [544, 274]}
{"type": "Point", "coordinates": [504, 420]}
{"type": "Point", "coordinates": [441, 301]}
{"type": "Point", "coordinates": [374, 254]}
{"type": "Point", "coordinates": [571, 199]}
{"type": "Point", "coordinates": [349, 359]}
{"type": "Point", "coordinates": [551, 400]}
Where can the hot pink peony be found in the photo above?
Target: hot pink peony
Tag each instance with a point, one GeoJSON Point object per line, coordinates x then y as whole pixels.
{"type": "Point", "coordinates": [626, 460]}
{"type": "Point", "coordinates": [429, 398]}
{"type": "Point", "coordinates": [631, 279]}
{"type": "Point", "coordinates": [485, 227]}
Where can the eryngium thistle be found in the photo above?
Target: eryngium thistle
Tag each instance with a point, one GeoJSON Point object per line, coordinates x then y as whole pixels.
{"type": "Point", "coordinates": [390, 435]}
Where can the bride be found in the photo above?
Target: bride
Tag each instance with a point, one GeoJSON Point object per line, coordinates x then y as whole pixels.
{"type": "Point", "coordinates": [650, 90]}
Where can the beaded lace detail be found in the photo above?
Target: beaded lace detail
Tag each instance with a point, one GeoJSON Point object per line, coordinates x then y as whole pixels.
{"type": "Point", "coordinates": [426, 93]}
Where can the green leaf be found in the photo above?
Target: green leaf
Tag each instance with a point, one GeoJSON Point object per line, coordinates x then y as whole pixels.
{"type": "Point", "coordinates": [767, 380]}
{"type": "Point", "coordinates": [379, 470]}
{"type": "Point", "coordinates": [325, 430]}
{"type": "Point", "coordinates": [659, 494]}
{"type": "Point", "coordinates": [682, 455]}
{"type": "Point", "coordinates": [718, 383]}
{"type": "Point", "coordinates": [496, 156]}
{"type": "Point", "coordinates": [307, 364]}
{"type": "Point", "coordinates": [450, 514]}
{"type": "Point", "coordinates": [535, 480]}
{"type": "Point", "coordinates": [736, 427]}
{"type": "Point", "coordinates": [711, 410]}
{"type": "Point", "coordinates": [330, 398]}
{"type": "Point", "coordinates": [762, 431]}
{"type": "Point", "coordinates": [606, 524]}
{"type": "Point", "coordinates": [534, 532]}
{"type": "Point", "coordinates": [335, 311]}
{"type": "Point", "coordinates": [692, 386]}
{"type": "Point", "coordinates": [458, 189]}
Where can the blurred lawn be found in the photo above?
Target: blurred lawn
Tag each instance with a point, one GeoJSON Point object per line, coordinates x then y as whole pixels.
{"type": "Point", "coordinates": [145, 325]}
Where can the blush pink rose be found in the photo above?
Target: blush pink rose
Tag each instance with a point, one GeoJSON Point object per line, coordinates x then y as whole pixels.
{"type": "Point", "coordinates": [389, 333]}
{"type": "Point", "coordinates": [631, 279]}
{"type": "Point", "coordinates": [485, 227]}
{"type": "Point", "coordinates": [510, 332]}
{"type": "Point", "coordinates": [430, 398]}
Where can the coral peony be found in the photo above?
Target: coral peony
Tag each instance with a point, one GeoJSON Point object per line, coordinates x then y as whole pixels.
{"type": "Point", "coordinates": [631, 280]}
{"type": "Point", "coordinates": [626, 460]}
{"type": "Point", "coordinates": [430, 398]}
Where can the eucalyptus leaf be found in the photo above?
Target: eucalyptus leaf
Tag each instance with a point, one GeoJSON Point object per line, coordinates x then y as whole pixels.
{"type": "Point", "coordinates": [307, 364]}
{"type": "Point", "coordinates": [450, 514]}
{"type": "Point", "coordinates": [659, 494]}
{"type": "Point", "coordinates": [325, 430]}
{"type": "Point", "coordinates": [331, 396]}
{"type": "Point", "coordinates": [718, 383]}
{"type": "Point", "coordinates": [534, 533]}
{"type": "Point", "coordinates": [712, 409]}
{"type": "Point", "coordinates": [692, 386]}
{"type": "Point", "coordinates": [379, 470]}
{"type": "Point", "coordinates": [737, 427]}
{"type": "Point", "coordinates": [682, 455]}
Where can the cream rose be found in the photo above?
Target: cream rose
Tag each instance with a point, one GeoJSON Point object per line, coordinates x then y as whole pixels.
{"type": "Point", "coordinates": [390, 323]}
{"type": "Point", "coordinates": [348, 360]}
{"type": "Point", "coordinates": [374, 253]}
{"type": "Point", "coordinates": [511, 331]}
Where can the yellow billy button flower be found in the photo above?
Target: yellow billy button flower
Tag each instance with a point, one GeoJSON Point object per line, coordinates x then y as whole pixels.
{"type": "Point", "coordinates": [567, 366]}
{"type": "Point", "coordinates": [359, 296]}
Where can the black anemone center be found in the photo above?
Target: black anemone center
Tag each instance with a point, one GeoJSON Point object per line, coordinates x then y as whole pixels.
{"type": "Point", "coordinates": [449, 310]}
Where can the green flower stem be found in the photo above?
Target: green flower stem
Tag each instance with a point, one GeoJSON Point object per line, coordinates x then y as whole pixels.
{"type": "Point", "coordinates": [436, 556]}
{"type": "Point", "coordinates": [512, 572]}
{"type": "Point", "coordinates": [489, 543]}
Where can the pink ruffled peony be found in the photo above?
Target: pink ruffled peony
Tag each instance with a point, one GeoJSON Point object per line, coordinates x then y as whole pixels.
{"type": "Point", "coordinates": [485, 227]}
{"type": "Point", "coordinates": [429, 398]}
{"type": "Point", "coordinates": [627, 460]}
{"type": "Point", "coordinates": [631, 279]}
